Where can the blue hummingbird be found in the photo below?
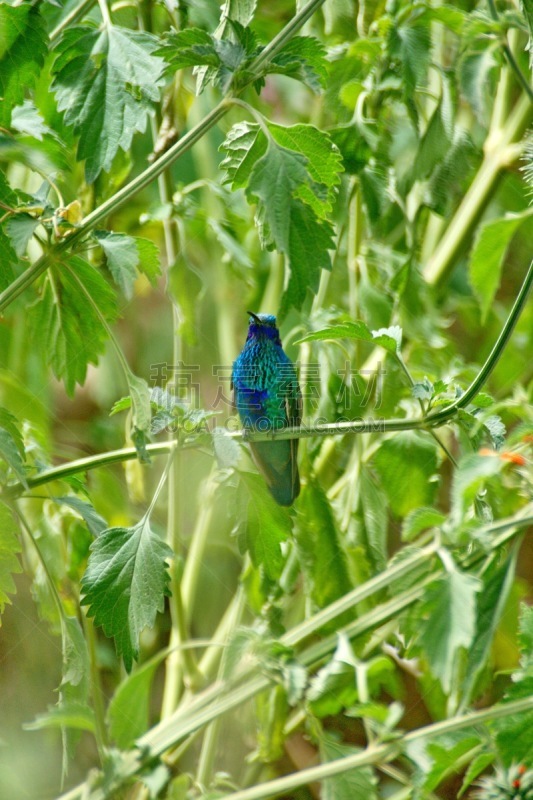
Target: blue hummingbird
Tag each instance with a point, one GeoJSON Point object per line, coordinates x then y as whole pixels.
{"type": "Point", "coordinates": [268, 397]}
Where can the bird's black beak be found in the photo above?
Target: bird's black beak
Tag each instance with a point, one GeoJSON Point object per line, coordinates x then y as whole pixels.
{"type": "Point", "coordinates": [255, 317]}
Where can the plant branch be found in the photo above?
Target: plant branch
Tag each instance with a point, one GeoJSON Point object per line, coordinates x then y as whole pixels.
{"type": "Point", "coordinates": [523, 81]}
{"type": "Point", "coordinates": [378, 753]}
{"type": "Point", "coordinates": [73, 16]}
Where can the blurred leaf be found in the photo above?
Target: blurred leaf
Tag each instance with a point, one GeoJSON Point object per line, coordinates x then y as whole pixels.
{"type": "Point", "coordinates": [106, 81]}
{"type": "Point", "coordinates": [128, 710]}
{"type": "Point", "coordinates": [126, 256]}
{"type": "Point", "coordinates": [8, 257]}
{"type": "Point", "coordinates": [445, 755]}
{"type": "Point", "coordinates": [405, 465]}
{"type": "Point", "coordinates": [95, 522]}
{"type": "Point", "coordinates": [23, 46]}
{"type": "Point", "coordinates": [410, 43]}
{"type": "Point", "coordinates": [475, 768]}
{"type": "Point", "coordinates": [477, 68]}
{"type": "Point", "coordinates": [267, 526]}
{"type": "Point", "coordinates": [125, 584]}
{"type": "Point", "coordinates": [303, 58]}
{"type": "Point", "coordinates": [420, 519]}
{"type": "Point", "coordinates": [12, 445]}
{"type": "Point", "coordinates": [26, 119]}
{"type": "Point", "coordinates": [66, 324]}
{"type": "Point", "coordinates": [271, 714]}
{"type": "Point", "coordinates": [450, 624]}
{"type": "Point", "coordinates": [9, 547]}
{"type": "Point", "coordinates": [375, 516]}
{"type": "Point", "coordinates": [348, 785]}
{"type": "Point", "coordinates": [20, 229]}
{"type": "Point", "coordinates": [469, 479]}
{"type": "Point", "coordinates": [490, 608]}
{"type": "Point", "coordinates": [488, 254]}
{"type": "Point", "coordinates": [77, 716]}
{"type": "Point", "coordinates": [319, 549]}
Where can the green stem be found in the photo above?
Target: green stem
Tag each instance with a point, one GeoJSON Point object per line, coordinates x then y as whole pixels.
{"type": "Point", "coordinates": [218, 699]}
{"type": "Point", "coordinates": [501, 151]}
{"type": "Point", "coordinates": [509, 55]}
{"type": "Point", "coordinates": [438, 417]}
{"type": "Point", "coordinates": [113, 203]}
{"type": "Point", "coordinates": [379, 753]}
{"type": "Point", "coordinates": [73, 16]}
{"type": "Point", "coordinates": [279, 41]}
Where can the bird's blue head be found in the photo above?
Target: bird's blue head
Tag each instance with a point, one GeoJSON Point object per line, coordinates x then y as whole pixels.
{"type": "Point", "coordinates": [262, 326]}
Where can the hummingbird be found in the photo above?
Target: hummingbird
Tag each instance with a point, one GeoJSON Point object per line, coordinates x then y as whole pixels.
{"type": "Point", "coordinates": [268, 397]}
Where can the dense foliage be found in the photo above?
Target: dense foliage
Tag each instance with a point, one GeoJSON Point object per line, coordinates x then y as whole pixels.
{"type": "Point", "coordinates": [363, 170]}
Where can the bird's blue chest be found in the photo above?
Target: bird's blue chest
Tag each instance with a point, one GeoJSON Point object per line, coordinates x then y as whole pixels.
{"type": "Point", "coordinates": [257, 379]}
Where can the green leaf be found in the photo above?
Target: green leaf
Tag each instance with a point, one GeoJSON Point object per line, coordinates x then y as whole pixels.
{"type": "Point", "coordinates": [106, 81]}
{"type": "Point", "coordinates": [475, 768]}
{"type": "Point", "coordinates": [445, 754]}
{"type": "Point", "coordinates": [126, 256]}
{"type": "Point", "coordinates": [26, 119]}
{"type": "Point", "coordinates": [491, 606]}
{"type": "Point", "coordinates": [9, 547]}
{"type": "Point", "coordinates": [12, 444]}
{"type": "Point", "coordinates": [488, 255]}
{"type": "Point", "coordinates": [374, 507]}
{"type": "Point", "coordinates": [125, 584]}
{"type": "Point", "coordinates": [450, 624]}
{"type": "Point", "coordinates": [469, 478]}
{"type": "Point", "coordinates": [302, 58]}
{"type": "Point", "coordinates": [95, 522]}
{"type": "Point", "coordinates": [347, 785]}
{"type": "Point", "coordinates": [292, 176]}
{"type": "Point", "coordinates": [405, 465]}
{"type": "Point", "coordinates": [319, 549]}
{"type": "Point", "coordinates": [141, 409]}
{"type": "Point", "coordinates": [23, 46]}
{"type": "Point", "coordinates": [128, 711]}
{"type": "Point", "coordinates": [267, 526]}
{"type": "Point", "coordinates": [477, 69]}
{"type": "Point", "coordinates": [8, 257]}
{"type": "Point", "coordinates": [20, 229]}
{"type": "Point", "coordinates": [388, 338]}
{"type": "Point", "coordinates": [66, 326]}
{"type": "Point", "coordinates": [410, 43]}
{"type": "Point", "coordinates": [69, 715]}
{"type": "Point", "coordinates": [420, 519]}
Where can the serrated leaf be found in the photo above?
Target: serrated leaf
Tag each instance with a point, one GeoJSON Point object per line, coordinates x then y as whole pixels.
{"type": "Point", "coordinates": [420, 519]}
{"type": "Point", "coordinates": [95, 522]}
{"type": "Point", "coordinates": [106, 81]}
{"type": "Point", "coordinates": [23, 46]}
{"type": "Point", "coordinates": [476, 71]}
{"type": "Point", "coordinates": [410, 44]}
{"type": "Point", "coordinates": [405, 464]}
{"type": "Point", "coordinates": [9, 548]}
{"type": "Point", "coordinates": [302, 58]}
{"type": "Point", "coordinates": [8, 257]}
{"type": "Point", "coordinates": [140, 394]}
{"type": "Point", "coordinates": [490, 607]}
{"type": "Point", "coordinates": [122, 258]}
{"type": "Point", "coordinates": [125, 584]}
{"type": "Point", "coordinates": [375, 516]}
{"type": "Point", "coordinates": [488, 254]}
{"type": "Point", "coordinates": [475, 768]}
{"type": "Point", "coordinates": [291, 177]}
{"type": "Point", "coordinates": [12, 445]}
{"type": "Point", "coordinates": [348, 785]}
{"type": "Point", "coordinates": [389, 338]}
{"type": "Point", "coordinates": [77, 716]}
{"type": "Point", "coordinates": [445, 755]}
{"type": "Point", "coordinates": [450, 604]}
{"type": "Point", "coordinates": [26, 119]}
{"type": "Point", "coordinates": [20, 229]}
{"type": "Point", "coordinates": [66, 325]}
{"type": "Point", "coordinates": [267, 526]}
{"type": "Point", "coordinates": [345, 330]}
{"type": "Point", "coordinates": [128, 712]}
{"type": "Point", "coordinates": [319, 548]}
{"type": "Point", "coordinates": [468, 480]}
